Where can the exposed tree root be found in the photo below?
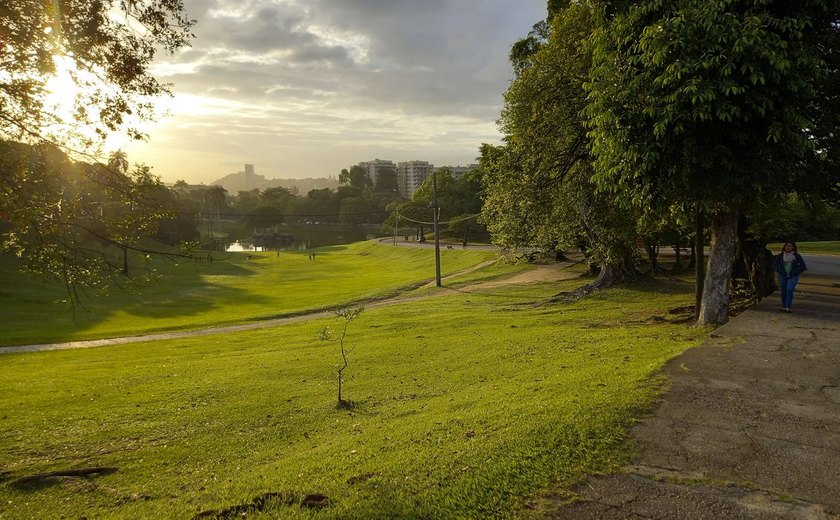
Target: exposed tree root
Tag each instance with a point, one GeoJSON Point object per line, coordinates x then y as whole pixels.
{"type": "Point", "coordinates": [263, 502]}
{"type": "Point", "coordinates": [606, 278]}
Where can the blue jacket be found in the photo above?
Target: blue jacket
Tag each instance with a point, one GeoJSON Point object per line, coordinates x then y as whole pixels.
{"type": "Point", "coordinates": [797, 267]}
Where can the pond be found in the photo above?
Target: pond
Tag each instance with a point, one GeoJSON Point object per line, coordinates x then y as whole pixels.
{"type": "Point", "coordinates": [238, 247]}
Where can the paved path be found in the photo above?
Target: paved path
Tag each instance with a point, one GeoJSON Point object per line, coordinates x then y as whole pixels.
{"type": "Point", "coordinates": [750, 428]}
{"type": "Point", "coordinates": [552, 272]}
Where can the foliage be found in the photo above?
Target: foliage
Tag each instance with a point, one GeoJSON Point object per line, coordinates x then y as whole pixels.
{"type": "Point", "coordinates": [459, 203]}
{"type": "Point", "coordinates": [537, 186]}
{"type": "Point", "coordinates": [104, 48]}
{"type": "Point", "coordinates": [61, 217]}
{"type": "Point", "coordinates": [357, 177]}
{"type": "Point", "coordinates": [707, 102]}
{"type": "Point", "coordinates": [703, 100]}
{"type": "Point", "coordinates": [386, 180]}
{"type": "Point", "coordinates": [796, 218]}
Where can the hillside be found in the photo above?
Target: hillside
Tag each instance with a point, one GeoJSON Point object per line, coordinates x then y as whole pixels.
{"type": "Point", "coordinates": [235, 182]}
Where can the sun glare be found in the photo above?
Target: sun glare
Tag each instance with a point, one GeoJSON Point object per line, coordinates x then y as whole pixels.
{"type": "Point", "coordinates": [62, 90]}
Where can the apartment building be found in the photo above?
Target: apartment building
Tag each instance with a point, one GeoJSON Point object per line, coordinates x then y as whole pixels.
{"type": "Point", "coordinates": [375, 165]}
{"type": "Point", "coordinates": [460, 171]}
{"type": "Point", "coordinates": [411, 174]}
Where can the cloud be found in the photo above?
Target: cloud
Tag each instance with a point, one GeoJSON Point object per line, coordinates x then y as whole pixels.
{"type": "Point", "coordinates": [362, 74]}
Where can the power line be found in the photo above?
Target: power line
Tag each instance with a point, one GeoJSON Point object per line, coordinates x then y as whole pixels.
{"type": "Point", "coordinates": [289, 215]}
{"type": "Point", "coordinates": [452, 221]}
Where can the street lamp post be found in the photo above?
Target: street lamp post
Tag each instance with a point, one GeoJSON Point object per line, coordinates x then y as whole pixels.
{"type": "Point", "coordinates": [437, 234]}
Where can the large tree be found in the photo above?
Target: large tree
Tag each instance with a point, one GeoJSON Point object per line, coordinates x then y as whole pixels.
{"type": "Point", "coordinates": [356, 177]}
{"type": "Point", "coordinates": [72, 73]}
{"type": "Point", "coordinates": [538, 191]}
{"type": "Point", "coordinates": [75, 221]}
{"type": "Point", "coordinates": [706, 102]}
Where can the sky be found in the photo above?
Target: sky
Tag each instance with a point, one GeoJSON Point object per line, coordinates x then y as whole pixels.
{"type": "Point", "coordinates": [304, 88]}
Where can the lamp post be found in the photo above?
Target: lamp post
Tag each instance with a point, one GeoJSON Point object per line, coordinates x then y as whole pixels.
{"type": "Point", "coordinates": [437, 234]}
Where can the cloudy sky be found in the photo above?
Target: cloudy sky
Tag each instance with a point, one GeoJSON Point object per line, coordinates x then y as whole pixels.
{"type": "Point", "coordinates": [303, 88]}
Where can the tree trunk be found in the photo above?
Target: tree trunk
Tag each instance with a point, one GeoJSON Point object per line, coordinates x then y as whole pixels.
{"type": "Point", "coordinates": [653, 253]}
{"type": "Point", "coordinates": [754, 263]}
{"type": "Point", "coordinates": [125, 261]}
{"type": "Point", "coordinates": [697, 257]}
{"type": "Point", "coordinates": [714, 309]}
{"type": "Point", "coordinates": [610, 274]}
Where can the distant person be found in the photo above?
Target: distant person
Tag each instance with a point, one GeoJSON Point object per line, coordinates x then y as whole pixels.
{"type": "Point", "coordinates": [788, 265]}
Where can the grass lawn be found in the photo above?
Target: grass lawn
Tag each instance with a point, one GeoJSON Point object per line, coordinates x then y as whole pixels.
{"type": "Point", "coordinates": [814, 248]}
{"type": "Point", "coordinates": [206, 294]}
{"type": "Point", "coordinates": [469, 405]}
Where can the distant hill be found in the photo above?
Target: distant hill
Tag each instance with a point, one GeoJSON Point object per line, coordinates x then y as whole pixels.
{"type": "Point", "coordinates": [236, 182]}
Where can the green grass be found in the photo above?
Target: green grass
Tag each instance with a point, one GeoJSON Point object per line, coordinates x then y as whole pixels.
{"type": "Point", "coordinates": [467, 406]}
{"type": "Point", "coordinates": [814, 248]}
{"type": "Point", "coordinates": [236, 290]}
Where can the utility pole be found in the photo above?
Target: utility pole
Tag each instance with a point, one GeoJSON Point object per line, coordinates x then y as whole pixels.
{"type": "Point", "coordinates": [437, 234]}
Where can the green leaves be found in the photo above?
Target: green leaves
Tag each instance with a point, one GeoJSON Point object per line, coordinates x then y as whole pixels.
{"type": "Point", "coordinates": [694, 97]}
{"type": "Point", "coordinates": [95, 46]}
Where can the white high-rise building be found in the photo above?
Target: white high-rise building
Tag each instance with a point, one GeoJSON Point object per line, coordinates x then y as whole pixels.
{"type": "Point", "coordinates": [460, 171]}
{"type": "Point", "coordinates": [375, 165]}
{"type": "Point", "coordinates": [250, 180]}
{"type": "Point", "coordinates": [411, 174]}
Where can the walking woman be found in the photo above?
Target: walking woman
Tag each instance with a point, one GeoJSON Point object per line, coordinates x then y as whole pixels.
{"type": "Point", "coordinates": [789, 265]}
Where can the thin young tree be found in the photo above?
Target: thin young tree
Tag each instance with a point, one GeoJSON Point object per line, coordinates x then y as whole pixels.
{"type": "Point", "coordinates": [327, 334]}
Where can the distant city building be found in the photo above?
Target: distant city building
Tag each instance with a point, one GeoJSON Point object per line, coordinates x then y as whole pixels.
{"type": "Point", "coordinates": [411, 174]}
{"type": "Point", "coordinates": [250, 177]}
{"type": "Point", "coordinates": [375, 165]}
{"type": "Point", "coordinates": [460, 171]}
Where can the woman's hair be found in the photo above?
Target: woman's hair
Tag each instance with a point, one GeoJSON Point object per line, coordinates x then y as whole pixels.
{"type": "Point", "coordinates": [791, 242]}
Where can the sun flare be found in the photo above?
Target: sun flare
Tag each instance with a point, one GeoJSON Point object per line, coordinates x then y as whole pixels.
{"type": "Point", "coordinates": [62, 90]}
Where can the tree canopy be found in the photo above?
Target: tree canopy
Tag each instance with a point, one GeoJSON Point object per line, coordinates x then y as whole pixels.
{"type": "Point", "coordinates": [538, 191]}
{"type": "Point", "coordinates": [100, 50]}
{"type": "Point", "coordinates": [627, 120]}
{"type": "Point", "coordinates": [71, 74]}
{"type": "Point", "coordinates": [708, 102]}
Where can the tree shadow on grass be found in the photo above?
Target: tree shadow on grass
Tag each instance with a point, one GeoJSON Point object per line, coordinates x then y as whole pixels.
{"type": "Point", "coordinates": [37, 314]}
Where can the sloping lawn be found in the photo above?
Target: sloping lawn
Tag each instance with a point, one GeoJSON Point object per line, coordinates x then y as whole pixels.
{"type": "Point", "coordinates": [813, 248]}
{"type": "Point", "coordinates": [234, 290]}
{"type": "Point", "coordinates": [466, 406]}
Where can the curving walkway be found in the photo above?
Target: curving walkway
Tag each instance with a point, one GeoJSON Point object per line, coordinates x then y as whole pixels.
{"type": "Point", "coordinates": [539, 273]}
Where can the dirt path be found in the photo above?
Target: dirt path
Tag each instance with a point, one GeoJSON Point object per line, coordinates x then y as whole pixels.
{"type": "Point", "coordinates": [552, 272]}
